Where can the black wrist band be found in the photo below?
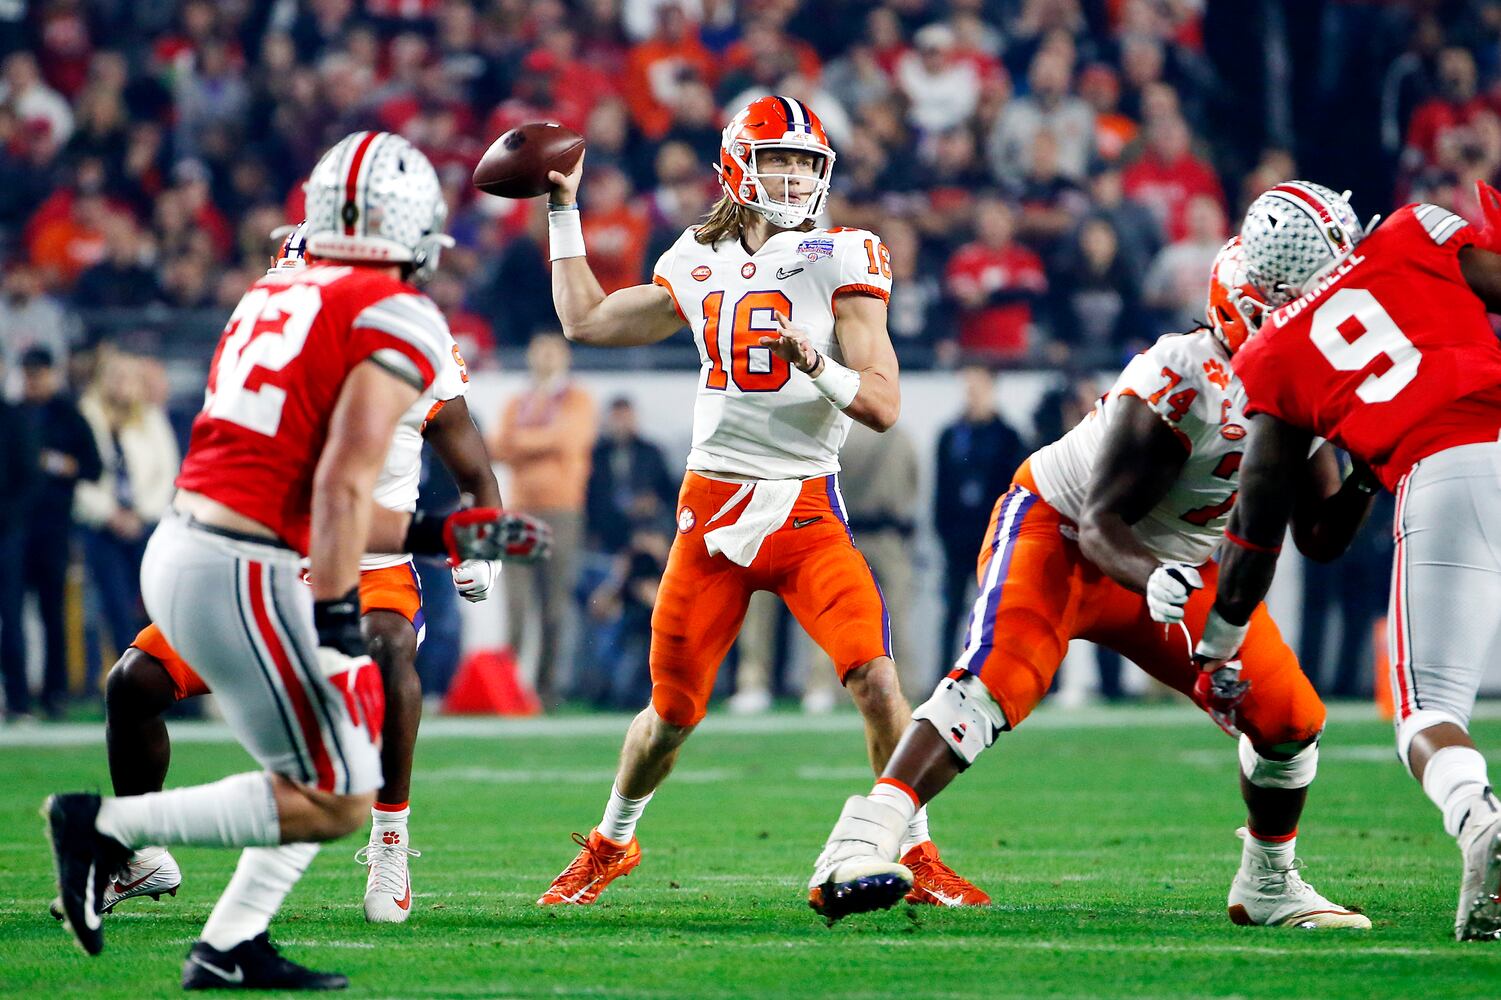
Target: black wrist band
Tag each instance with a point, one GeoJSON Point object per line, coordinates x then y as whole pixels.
{"type": "Point", "coordinates": [337, 622]}
{"type": "Point", "coordinates": [425, 535]}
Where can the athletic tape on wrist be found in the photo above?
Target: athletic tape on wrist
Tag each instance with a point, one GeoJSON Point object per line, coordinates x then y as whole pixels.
{"type": "Point", "coordinates": [1221, 640]}
{"type": "Point", "coordinates": [838, 384]}
{"type": "Point", "coordinates": [565, 233]}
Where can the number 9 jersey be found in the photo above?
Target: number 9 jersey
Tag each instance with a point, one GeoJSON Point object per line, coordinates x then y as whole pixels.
{"type": "Point", "coordinates": [1390, 355]}
{"type": "Point", "coordinates": [754, 416]}
{"type": "Point", "coordinates": [277, 374]}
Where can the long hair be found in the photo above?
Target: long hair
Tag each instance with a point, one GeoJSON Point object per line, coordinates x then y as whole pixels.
{"type": "Point", "coordinates": [726, 220]}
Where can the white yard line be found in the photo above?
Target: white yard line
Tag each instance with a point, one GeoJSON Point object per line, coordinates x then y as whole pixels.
{"type": "Point", "coordinates": [72, 734]}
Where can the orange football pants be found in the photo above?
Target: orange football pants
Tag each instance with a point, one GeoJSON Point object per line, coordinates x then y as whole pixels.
{"type": "Point", "coordinates": [393, 588]}
{"type": "Point", "coordinates": [810, 562]}
{"type": "Point", "coordinates": [1037, 591]}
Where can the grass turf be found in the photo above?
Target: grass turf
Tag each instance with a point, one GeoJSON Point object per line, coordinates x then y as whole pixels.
{"type": "Point", "coordinates": [1108, 848]}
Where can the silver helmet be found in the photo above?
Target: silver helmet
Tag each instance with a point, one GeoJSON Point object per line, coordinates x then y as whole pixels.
{"type": "Point", "coordinates": [1293, 232]}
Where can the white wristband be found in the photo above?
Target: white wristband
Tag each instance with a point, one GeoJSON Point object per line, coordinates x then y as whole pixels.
{"type": "Point", "coordinates": [565, 234]}
{"type": "Point", "coordinates": [1220, 640]}
{"type": "Point", "coordinates": [838, 384]}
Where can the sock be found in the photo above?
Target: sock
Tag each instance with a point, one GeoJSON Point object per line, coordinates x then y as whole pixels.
{"type": "Point", "coordinates": [621, 815]}
{"type": "Point", "coordinates": [239, 811]}
{"type": "Point", "coordinates": [389, 821]}
{"type": "Point", "coordinates": [1454, 777]}
{"type": "Point", "coordinates": [1270, 851]}
{"type": "Point", "coordinates": [890, 792]}
{"type": "Point", "coordinates": [261, 881]}
{"type": "Point", "coordinates": [917, 830]}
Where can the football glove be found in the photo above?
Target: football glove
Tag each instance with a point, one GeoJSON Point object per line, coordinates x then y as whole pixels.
{"type": "Point", "coordinates": [1219, 691]}
{"type": "Point", "coordinates": [487, 533]}
{"type": "Point", "coordinates": [344, 661]}
{"type": "Point", "coordinates": [1489, 236]}
{"type": "Point", "coordinates": [473, 579]}
{"type": "Point", "coordinates": [1169, 588]}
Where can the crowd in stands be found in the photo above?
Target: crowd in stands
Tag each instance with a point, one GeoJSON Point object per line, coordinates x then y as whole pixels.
{"type": "Point", "coordinates": [1050, 175]}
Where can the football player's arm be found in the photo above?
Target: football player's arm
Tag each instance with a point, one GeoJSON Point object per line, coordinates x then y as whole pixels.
{"type": "Point", "coordinates": [1140, 460]}
{"type": "Point", "coordinates": [1481, 270]}
{"type": "Point", "coordinates": [1329, 510]}
{"type": "Point", "coordinates": [860, 328]}
{"type": "Point", "coordinates": [364, 420]}
{"type": "Point", "coordinates": [1275, 454]}
{"type": "Point", "coordinates": [628, 317]}
{"type": "Point", "coordinates": [461, 449]}
{"type": "Point", "coordinates": [573, 427]}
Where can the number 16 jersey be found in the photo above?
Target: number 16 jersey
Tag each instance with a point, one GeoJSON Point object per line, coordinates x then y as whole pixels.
{"type": "Point", "coordinates": [754, 416]}
{"type": "Point", "coordinates": [1391, 356]}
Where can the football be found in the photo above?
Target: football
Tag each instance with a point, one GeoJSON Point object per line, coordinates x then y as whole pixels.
{"type": "Point", "coordinates": [516, 164]}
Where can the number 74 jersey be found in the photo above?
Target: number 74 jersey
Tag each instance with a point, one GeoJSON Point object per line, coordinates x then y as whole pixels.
{"type": "Point", "coordinates": [1391, 356]}
{"type": "Point", "coordinates": [754, 415]}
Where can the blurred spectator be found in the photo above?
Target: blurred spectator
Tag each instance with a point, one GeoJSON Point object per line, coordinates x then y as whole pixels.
{"type": "Point", "coordinates": [627, 597]}
{"type": "Point", "coordinates": [471, 332]}
{"type": "Point", "coordinates": [624, 466]}
{"type": "Point", "coordinates": [1176, 283]}
{"type": "Point", "coordinates": [942, 90]}
{"type": "Point", "coordinates": [1051, 204]}
{"type": "Point", "coordinates": [124, 279]}
{"type": "Point", "coordinates": [977, 456]}
{"type": "Point", "coordinates": [19, 470]}
{"type": "Point", "coordinates": [878, 479]}
{"type": "Point", "coordinates": [507, 277]}
{"type": "Point", "coordinates": [1140, 235]}
{"type": "Point", "coordinates": [1168, 176]}
{"type": "Point", "coordinates": [212, 92]}
{"type": "Point", "coordinates": [615, 231]}
{"type": "Point", "coordinates": [916, 313]}
{"type": "Point", "coordinates": [546, 436]}
{"type": "Point", "coordinates": [36, 105]}
{"type": "Point", "coordinates": [30, 319]}
{"type": "Point", "coordinates": [119, 511]}
{"type": "Point", "coordinates": [1455, 106]}
{"type": "Point", "coordinates": [1113, 132]}
{"type": "Point", "coordinates": [1096, 295]}
{"type": "Point", "coordinates": [995, 282]}
{"type": "Point", "coordinates": [66, 246]}
{"type": "Point", "coordinates": [856, 78]}
{"type": "Point", "coordinates": [1410, 79]}
{"type": "Point", "coordinates": [67, 455]}
{"type": "Point", "coordinates": [1047, 107]}
{"type": "Point", "coordinates": [660, 65]}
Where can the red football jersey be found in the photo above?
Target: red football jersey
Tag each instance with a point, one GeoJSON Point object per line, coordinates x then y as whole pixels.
{"type": "Point", "coordinates": [1390, 356]}
{"type": "Point", "coordinates": [277, 374]}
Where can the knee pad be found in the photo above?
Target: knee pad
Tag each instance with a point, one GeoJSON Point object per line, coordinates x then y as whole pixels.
{"type": "Point", "coordinates": [1297, 771]}
{"type": "Point", "coordinates": [1423, 718]}
{"type": "Point", "coordinates": [965, 714]}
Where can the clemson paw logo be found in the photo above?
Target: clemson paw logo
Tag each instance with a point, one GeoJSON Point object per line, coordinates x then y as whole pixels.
{"type": "Point", "coordinates": [1217, 373]}
{"type": "Point", "coordinates": [390, 837]}
{"type": "Point", "coordinates": [686, 520]}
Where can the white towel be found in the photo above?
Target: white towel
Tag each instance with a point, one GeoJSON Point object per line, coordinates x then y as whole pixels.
{"type": "Point", "coordinates": [771, 501]}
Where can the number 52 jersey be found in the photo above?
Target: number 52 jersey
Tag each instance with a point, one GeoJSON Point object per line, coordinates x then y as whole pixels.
{"type": "Point", "coordinates": [1391, 356]}
{"type": "Point", "coordinates": [277, 374]}
{"type": "Point", "coordinates": [754, 416]}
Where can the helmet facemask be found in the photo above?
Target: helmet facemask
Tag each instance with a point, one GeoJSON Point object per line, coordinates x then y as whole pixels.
{"type": "Point", "coordinates": [775, 194]}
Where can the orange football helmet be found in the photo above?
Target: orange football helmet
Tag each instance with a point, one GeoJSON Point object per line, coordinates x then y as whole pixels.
{"type": "Point", "coordinates": [1236, 307]}
{"type": "Point", "coordinates": [293, 252]}
{"type": "Point", "coordinates": [775, 123]}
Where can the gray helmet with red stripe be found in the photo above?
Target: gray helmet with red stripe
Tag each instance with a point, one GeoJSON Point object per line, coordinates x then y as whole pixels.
{"type": "Point", "coordinates": [374, 198]}
{"type": "Point", "coordinates": [1294, 232]}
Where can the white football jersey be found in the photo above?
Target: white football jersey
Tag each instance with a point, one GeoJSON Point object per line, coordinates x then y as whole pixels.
{"type": "Point", "coordinates": [1187, 380]}
{"type": "Point", "coordinates": [756, 416]}
{"type": "Point", "coordinates": [396, 487]}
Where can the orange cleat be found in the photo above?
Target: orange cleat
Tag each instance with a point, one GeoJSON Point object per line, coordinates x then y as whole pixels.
{"type": "Point", "coordinates": [599, 863]}
{"type": "Point", "coordinates": [936, 883]}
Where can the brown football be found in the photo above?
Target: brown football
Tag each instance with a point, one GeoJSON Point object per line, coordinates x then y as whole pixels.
{"type": "Point", "coordinates": [516, 164]}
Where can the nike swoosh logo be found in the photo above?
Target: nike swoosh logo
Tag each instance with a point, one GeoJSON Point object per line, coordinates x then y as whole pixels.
{"type": "Point", "coordinates": [580, 894]}
{"type": "Point", "coordinates": [405, 902]}
{"type": "Point", "coordinates": [237, 976]}
{"type": "Point", "coordinates": [122, 889]}
{"type": "Point", "coordinates": [784, 274]}
{"type": "Point", "coordinates": [803, 522]}
{"type": "Point", "coordinates": [90, 915]}
{"type": "Point", "coordinates": [945, 900]}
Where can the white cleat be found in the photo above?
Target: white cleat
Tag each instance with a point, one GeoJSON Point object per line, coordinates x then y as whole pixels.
{"type": "Point", "coordinates": [388, 885]}
{"type": "Point", "coordinates": [858, 871]}
{"type": "Point", "coordinates": [1278, 897]}
{"type": "Point", "coordinates": [1479, 915]}
{"type": "Point", "coordinates": [151, 871]}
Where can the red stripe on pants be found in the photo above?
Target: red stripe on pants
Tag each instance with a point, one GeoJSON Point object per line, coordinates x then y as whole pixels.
{"type": "Point", "coordinates": [307, 720]}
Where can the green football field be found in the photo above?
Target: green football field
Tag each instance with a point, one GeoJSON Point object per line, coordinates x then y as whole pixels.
{"type": "Point", "coordinates": [1106, 837]}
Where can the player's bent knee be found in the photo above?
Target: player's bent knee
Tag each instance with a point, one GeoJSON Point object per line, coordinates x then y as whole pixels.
{"type": "Point", "coordinates": [391, 643]}
{"type": "Point", "coordinates": [675, 707]}
{"type": "Point", "coordinates": [873, 682]}
{"type": "Point", "coordinates": [965, 714]}
{"type": "Point", "coordinates": [1415, 723]}
{"type": "Point", "coordinates": [1285, 765]}
{"type": "Point", "coordinates": [138, 684]}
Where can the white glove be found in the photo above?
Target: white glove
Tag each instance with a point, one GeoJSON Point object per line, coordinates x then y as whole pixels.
{"type": "Point", "coordinates": [473, 578]}
{"type": "Point", "coordinates": [1169, 588]}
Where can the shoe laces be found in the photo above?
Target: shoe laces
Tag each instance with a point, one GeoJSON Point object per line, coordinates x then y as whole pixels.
{"type": "Point", "coordinates": [1286, 877]}
{"type": "Point", "coordinates": [936, 874]}
{"type": "Point", "coordinates": [385, 862]}
{"type": "Point", "coordinates": [591, 861]}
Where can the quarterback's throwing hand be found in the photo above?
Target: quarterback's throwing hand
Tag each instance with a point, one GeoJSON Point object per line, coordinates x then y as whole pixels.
{"type": "Point", "coordinates": [792, 346]}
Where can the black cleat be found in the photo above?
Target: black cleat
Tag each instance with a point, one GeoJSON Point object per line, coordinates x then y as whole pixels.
{"type": "Point", "coordinates": [834, 900]}
{"type": "Point", "coordinates": [85, 860]}
{"type": "Point", "coordinates": [252, 965]}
